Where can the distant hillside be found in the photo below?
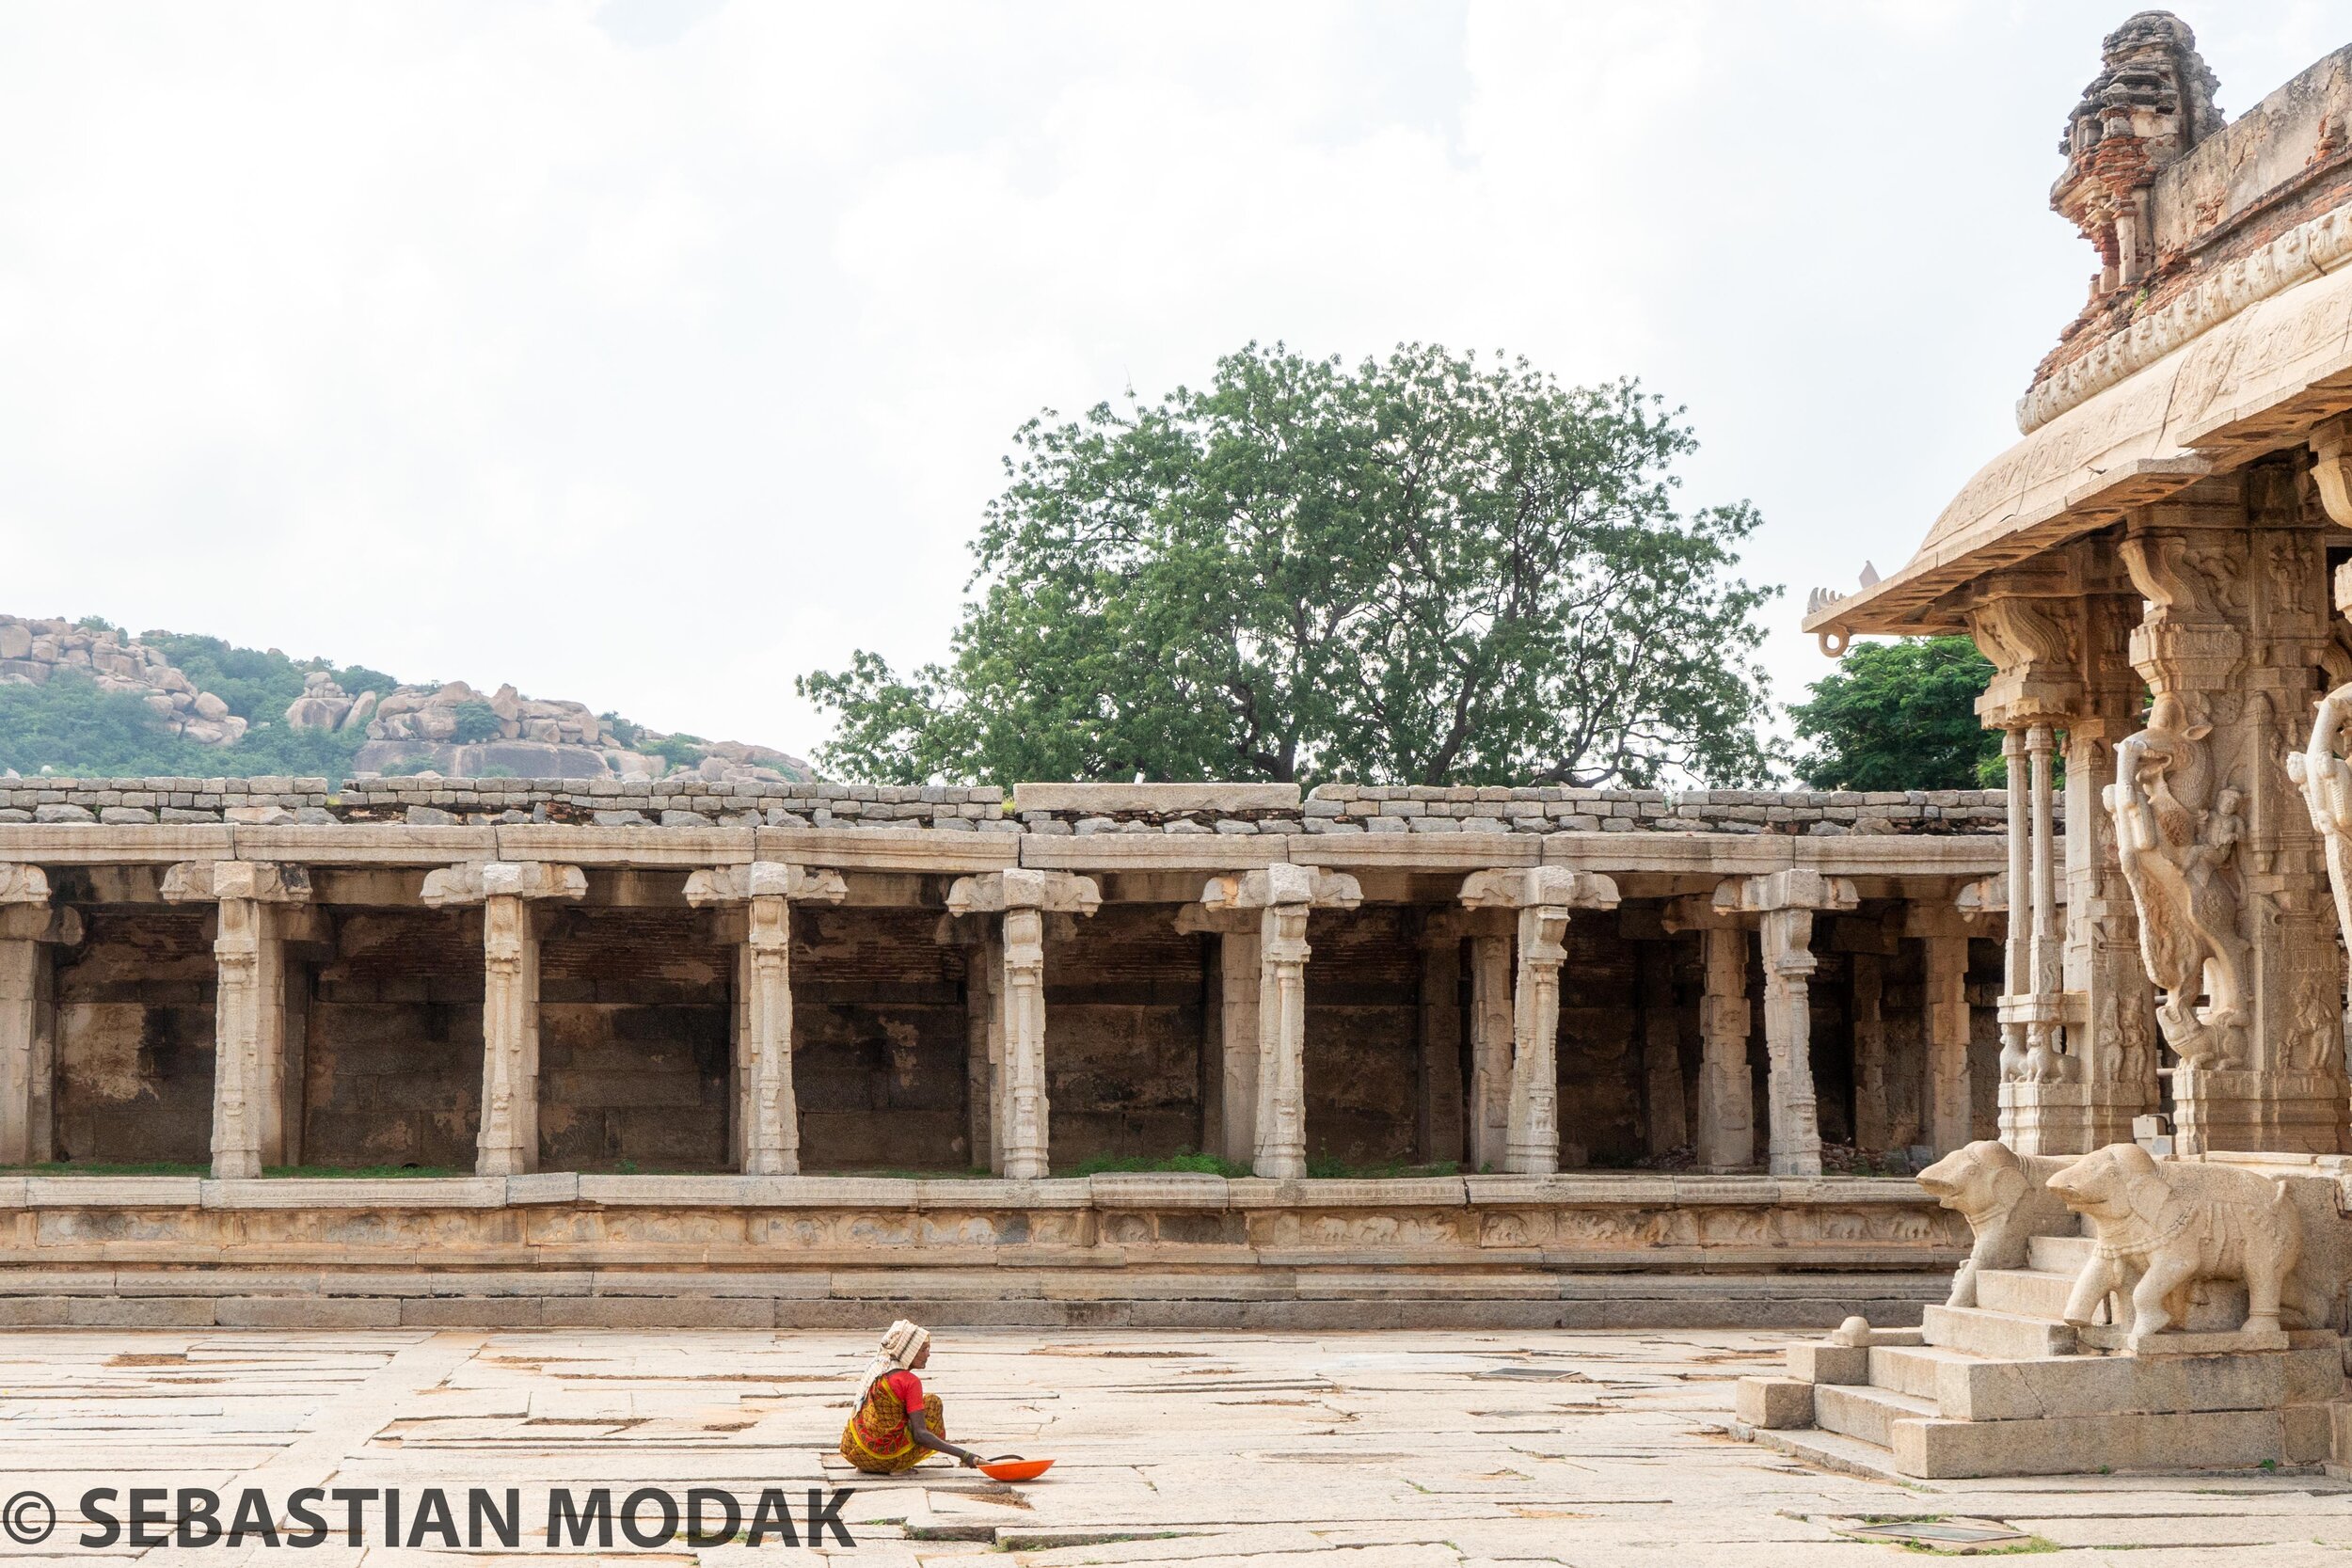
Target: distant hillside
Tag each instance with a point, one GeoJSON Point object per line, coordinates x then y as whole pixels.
{"type": "Point", "coordinates": [84, 697]}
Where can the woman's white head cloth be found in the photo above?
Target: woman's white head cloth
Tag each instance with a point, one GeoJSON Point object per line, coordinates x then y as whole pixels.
{"type": "Point", "coordinates": [901, 1345]}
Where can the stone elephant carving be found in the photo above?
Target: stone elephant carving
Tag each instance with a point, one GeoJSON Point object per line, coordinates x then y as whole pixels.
{"type": "Point", "coordinates": [2164, 1227]}
{"type": "Point", "coordinates": [2001, 1194]}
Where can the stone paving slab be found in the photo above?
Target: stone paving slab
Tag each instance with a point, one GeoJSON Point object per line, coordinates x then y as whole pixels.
{"type": "Point", "coordinates": [1283, 1450]}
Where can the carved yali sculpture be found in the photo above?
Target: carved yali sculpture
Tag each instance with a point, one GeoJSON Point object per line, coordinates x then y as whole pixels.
{"type": "Point", "coordinates": [2002, 1197]}
{"type": "Point", "coordinates": [2163, 1226]}
{"type": "Point", "coordinates": [2325, 780]}
{"type": "Point", "coordinates": [2174, 850]}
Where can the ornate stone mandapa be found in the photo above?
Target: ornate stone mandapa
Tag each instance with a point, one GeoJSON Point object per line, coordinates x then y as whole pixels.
{"type": "Point", "coordinates": [2164, 1227]}
{"type": "Point", "coordinates": [2003, 1197]}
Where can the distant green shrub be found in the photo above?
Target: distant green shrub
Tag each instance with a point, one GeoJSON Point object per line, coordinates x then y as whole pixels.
{"type": "Point", "coordinates": [477, 722]}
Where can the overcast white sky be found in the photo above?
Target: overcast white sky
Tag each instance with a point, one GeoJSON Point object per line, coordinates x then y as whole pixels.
{"type": "Point", "coordinates": [652, 352]}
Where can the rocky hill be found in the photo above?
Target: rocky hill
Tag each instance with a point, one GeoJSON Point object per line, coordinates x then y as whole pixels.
{"type": "Point", "coordinates": [87, 697]}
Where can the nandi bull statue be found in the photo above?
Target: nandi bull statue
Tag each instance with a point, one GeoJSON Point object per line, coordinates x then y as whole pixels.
{"type": "Point", "coordinates": [2162, 1226]}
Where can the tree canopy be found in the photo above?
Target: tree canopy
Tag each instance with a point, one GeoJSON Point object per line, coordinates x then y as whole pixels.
{"type": "Point", "coordinates": [1428, 569]}
{"type": "Point", "coordinates": [1899, 716]}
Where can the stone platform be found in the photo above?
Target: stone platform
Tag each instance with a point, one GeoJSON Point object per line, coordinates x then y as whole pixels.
{"type": "Point", "coordinates": [1212, 1451]}
{"type": "Point", "coordinates": [1111, 1250]}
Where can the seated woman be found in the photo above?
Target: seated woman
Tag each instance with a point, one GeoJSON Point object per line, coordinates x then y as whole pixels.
{"type": "Point", "coordinates": [894, 1425]}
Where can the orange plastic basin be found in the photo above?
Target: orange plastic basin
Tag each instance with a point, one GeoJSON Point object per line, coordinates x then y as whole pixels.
{"type": "Point", "coordinates": [1015, 1469]}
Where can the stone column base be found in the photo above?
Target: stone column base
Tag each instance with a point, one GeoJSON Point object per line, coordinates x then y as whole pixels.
{"type": "Point", "coordinates": [2067, 1119]}
{"type": "Point", "coordinates": [2243, 1111]}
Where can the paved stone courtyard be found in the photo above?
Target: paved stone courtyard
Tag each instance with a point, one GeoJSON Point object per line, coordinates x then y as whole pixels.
{"type": "Point", "coordinates": [1360, 1450]}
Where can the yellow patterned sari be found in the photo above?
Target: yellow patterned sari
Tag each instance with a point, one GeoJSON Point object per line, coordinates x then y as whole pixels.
{"type": "Point", "coordinates": [876, 1439]}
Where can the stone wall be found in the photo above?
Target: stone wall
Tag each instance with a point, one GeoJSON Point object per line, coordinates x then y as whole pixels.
{"type": "Point", "coordinates": [635, 1020]}
{"type": "Point", "coordinates": [879, 1040]}
{"type": "Point", "coordinates": [1126, 995]}
{"type": "Point", "coordinates": [135, 1040]}
{"type": "Point", "coordinates": [1075, 809]}
{"type": "Point", "coordinates": [392, 1071]}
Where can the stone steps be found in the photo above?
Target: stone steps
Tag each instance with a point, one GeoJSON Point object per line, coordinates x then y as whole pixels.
{"type": "Point", "coordinates": [2007, 1388]}
{"type": "Point", "coordinates": [1942, 1450]}
{"type": "Point", "coordinates": [2024, 1293]}
{"type": "Point", "coordinates": [2000, 1335]}
{"type": "Point", "coordinates": [2064, 1255]}
{"type": "Point", "coordinates": [1858, 1410]}
{"type": "Point", "coordinates": [1916, 1369]}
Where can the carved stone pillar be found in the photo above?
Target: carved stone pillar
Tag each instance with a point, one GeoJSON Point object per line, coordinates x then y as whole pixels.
{"type": "Point", "coordinates": [1022, 899]}
{"type": "Point", "coordinates": [984, 1051]}
{"type": "Point", "coordinates": [2035, 641]}
{"type": "Point", "coordinates": [2111, 1010]}
{"type": "Point", "coordinates": [1724, 1137]}
{"type": "Point", "coordinates": [2218, 849]}
{"type": "Point", "coordinates": [1784, 904]}
{"type": "Point", "coordinates": [1543, 896]}
{"type": "Point", "coordinates": [1667, 1123]}
{"type": "Point", "coordinates": [249, 1004]}
{"type": "Point", "coordinates": [769, 1135]}
{"type": "Point", "coordinates": [1283, 893]}
{"type": "Point", "coordinates": [1437, 1127]}
{"type": "Point", "coordinates": [508, 1142]}
{"type": "Point", "coordinates": [1488, 1117]}
{"type": "Point", "coordinates": [28, 1013]}
{"type": "Point", "coordinates": [1873, 1118]}
{"type": "Point", "coordinates": [1239, 966]}
{"type": "Point", "coordinates": [1942, 936]}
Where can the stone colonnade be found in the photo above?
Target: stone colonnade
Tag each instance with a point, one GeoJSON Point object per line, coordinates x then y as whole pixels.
{"type": "Point", "coordinates": [1511, 924]}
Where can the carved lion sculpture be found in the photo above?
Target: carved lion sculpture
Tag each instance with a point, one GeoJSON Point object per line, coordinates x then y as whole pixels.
{"type": "Point", "coordinates": [2163, 1226]}
{"type": "Point", "coordinates": [2001, 1195]}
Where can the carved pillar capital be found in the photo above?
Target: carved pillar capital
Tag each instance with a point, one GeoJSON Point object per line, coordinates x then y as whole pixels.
{"type": "Point", "coordinates": [478, 881]}
{"type": "Point", "coordinates": [257, 881]}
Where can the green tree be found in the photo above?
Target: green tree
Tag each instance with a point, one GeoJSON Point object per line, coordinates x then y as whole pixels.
{"type": "Point", "coordinates": [1899, 716]}
{"type": "Point", "coordinates": [1428, 569]}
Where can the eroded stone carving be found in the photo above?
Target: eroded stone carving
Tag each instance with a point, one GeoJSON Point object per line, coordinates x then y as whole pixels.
{"type": "Point", "coordinates": [2164, 1227]}
{"type": "Point", "coordinates": [2175, 849]}
{"type": "Point", "coordinates": [2003, 1197]}
{"type": "Point", "coordinates": [2320, 771]}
